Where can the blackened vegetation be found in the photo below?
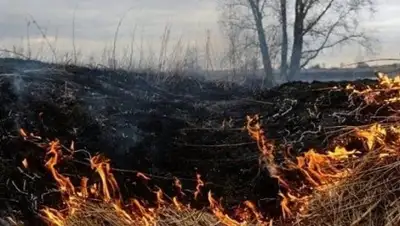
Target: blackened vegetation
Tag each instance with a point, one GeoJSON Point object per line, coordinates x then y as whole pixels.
{"type": "Point", "coordinates": [162, 126]}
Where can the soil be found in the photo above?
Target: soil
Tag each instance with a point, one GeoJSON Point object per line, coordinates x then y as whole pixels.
{"type": "Point", "coordinates": [162, 125]}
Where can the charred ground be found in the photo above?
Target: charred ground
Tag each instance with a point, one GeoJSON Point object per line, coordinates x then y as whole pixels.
{"type": "Point", "coordinates": [163, 126]}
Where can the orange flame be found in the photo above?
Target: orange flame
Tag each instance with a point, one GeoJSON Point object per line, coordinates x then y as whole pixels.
{"type": "Point", "coordinates": [84, 190]}
{"type": "Point", "coordinates": [316, 171]}
{"type": "Point", "coordinates": [218, 211]}
{"type": "Point", "coordinates": [160, 200]}
{"type": "Point", "coordinates": [373, 135]}
{"type": "Point", "coordinates": [22, 132]}
{"type": "Point", "coordinates": [199, 185]}
{"type": "Point", "coordinates": [25, 163]}
{"type": "Point", "coordinates": [53, 216]}
{"type": "Point", "coordinates": [109, 184]}
{"type": "Point", "coordinates": [64, 183]}
{"type": "Point", "coordinates": [141, 175]}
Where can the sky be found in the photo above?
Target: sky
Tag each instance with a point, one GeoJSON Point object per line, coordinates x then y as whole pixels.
{"type": "Point", "coordinates": [96, 22]}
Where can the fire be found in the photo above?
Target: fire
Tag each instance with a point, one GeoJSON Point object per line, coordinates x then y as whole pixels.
{"type": "Point", "coordinates": [266, 148]}
{"type": "Point", "coordinates": [84, 193]}
{"type": "Point", "coordinates": [219, 212]}
{"type": "Point", "coordinates": [387, 82]}
{"type": "Point", "coordinates": [141, 175]}
{"type": "Point", "coordinates": [386, 91]}
{"type": "Point", "coordinates": [178, 205]}
{"type": "Point", "coordinates": [254, 211]}
{"type": "Point", "coordinates": [160, 200]}
{"type": "Point", "coordinates": [340, 153]}
{"type": "Point", "coordinates": [63, 182]}
{"type": "Point", "coordinates": [108, 191]}
{"type": "Point", "coordinates": [318, 169]}
{"type": "Point", "coordinates": [373, 135]}
{"type": "Point", "coordinates": [53, 216]}
{"type": "Point", "coordinates": [25, 163]}
{"type": "Point", "coordinates": [22, 132]}
{"type": "Point", "coordinates": [109, 184]}
{"type": "Point", "coordinates": [200, 184]}
{"type": "Point", "coordinates": [316, 172]}
{"type": "Point", "coordinates": [178, 186]}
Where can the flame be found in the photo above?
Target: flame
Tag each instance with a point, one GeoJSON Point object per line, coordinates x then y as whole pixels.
{"type": "Point", "coordinates": [141, 175]}
{"type": "Point", "coordinates": [386, 91]}
{"type": "Point", "coordinates": [160, 200]}
{"type": "Point", "coordinates": [266, 148]}
{"type": "Point", "coordinates": [84, 190]}
{"type": "Point", "coordinates": [53, 216]}
{"type": "Point", "coordinates": [254, 211]}
{"type": "Point", "coordinates": [178, 186]}
{"type": "Point", "coordinates": [373, 135]}
{"type": "Point", "coordinates": [340, 153]}
{"type": "Point", "coordinates": [72, 147]}
{"type": "Point", "coordinates": [127, 218]}
{"type": "Point", "coordinates": [109, 184]}
{"type": "Point", "coordinates": [219, 212]}
{"type": "Point", "coordinates": [319, 170]}
{"type": "Point", "coordinates": [110, 193]}
{"type": "Point", "coordinates": [146, 216]}
{"type": "Point", "coordinates": [316, 172]}
{"type": "Point", "coordinates": [387, 82]}
{"type": "Point", "coordinates": [23, 133]}
{"type": "Point", "coordinates": [63, 182]}
{"type": "Point", "coordinates": [178, 205]}
{"type": "Point", "coordinates": [199, 185]}
{"type": "Point", "coordinates": [25, 163]}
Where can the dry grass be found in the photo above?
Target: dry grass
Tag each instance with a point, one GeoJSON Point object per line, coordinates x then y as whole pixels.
{"type": "Point", "coordinates": [370, 196]}
{"type": "Point", "coordinates": [100, 214]}
{"type": "Point", "coordinates": [186, 218]}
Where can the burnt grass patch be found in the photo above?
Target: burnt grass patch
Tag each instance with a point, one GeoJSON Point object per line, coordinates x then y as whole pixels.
{"type": "Point", "coordinates": [163, 126]}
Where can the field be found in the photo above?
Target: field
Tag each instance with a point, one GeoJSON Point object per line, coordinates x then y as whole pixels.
{"type": "Point", "coordinates": [84, 146]}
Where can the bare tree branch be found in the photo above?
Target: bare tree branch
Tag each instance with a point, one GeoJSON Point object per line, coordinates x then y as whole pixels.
{"type": "Point", "coordinates": [318, 18]}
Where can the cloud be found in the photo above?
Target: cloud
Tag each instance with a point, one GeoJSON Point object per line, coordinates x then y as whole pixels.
{"type": "Point", "coordinates": [97, 19]}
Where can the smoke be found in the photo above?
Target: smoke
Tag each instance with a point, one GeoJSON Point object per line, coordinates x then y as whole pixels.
{"type": "Point", "coordinates": [17, 84]}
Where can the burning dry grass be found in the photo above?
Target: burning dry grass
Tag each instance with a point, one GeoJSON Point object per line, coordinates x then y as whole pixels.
{"type": "Point", "coordinates": [95, 213]}
{"type": "Point", "coordinates": [344, 186]}
{"type": "Point", "coordinates": [369, 196]}
{"type": "Point", "coordinates": [98, 214]}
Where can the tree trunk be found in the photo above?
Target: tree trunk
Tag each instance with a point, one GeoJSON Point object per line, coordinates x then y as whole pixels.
{"type": "Point", "coordinates": [266, 59]}
{"type": "Point", "coordinates": [297, 40]}
{"type": "Point", "coordinates": [284, 46]}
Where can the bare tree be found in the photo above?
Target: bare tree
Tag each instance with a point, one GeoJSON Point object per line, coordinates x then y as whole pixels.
{"type": "Point", "coordinates": [318, 25]}
{"type": "Point", "coordinates": [285, 42]}
{"type": "Point", "coordinates": [191, 58]}
{"type": "Point", "coordinates": [321, 25]}
{"type": "Point", "coordinates": [257, 7]}
{"type": "Point", "coordinates": [233, 34]}
{"type": "Point", "coordinates": [239, 20]}
{"type": "Point", "coordinates": [208, 53]}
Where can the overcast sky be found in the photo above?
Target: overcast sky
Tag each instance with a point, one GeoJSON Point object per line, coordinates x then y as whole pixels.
{"type": "Point", "coordinates": [96, 21]}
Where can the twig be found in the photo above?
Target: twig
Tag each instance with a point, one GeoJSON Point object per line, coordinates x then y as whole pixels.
{"type": "Point", "coordinates": [15, 53]}
{"type": "Point", "coordinates": [44, 37]}
{"type": "Point", "coordinates": [216, 145]}
{"type": "Point", "coordinates": [356, 222]}
{"type": "Point", "coordinates": [374, 60]}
